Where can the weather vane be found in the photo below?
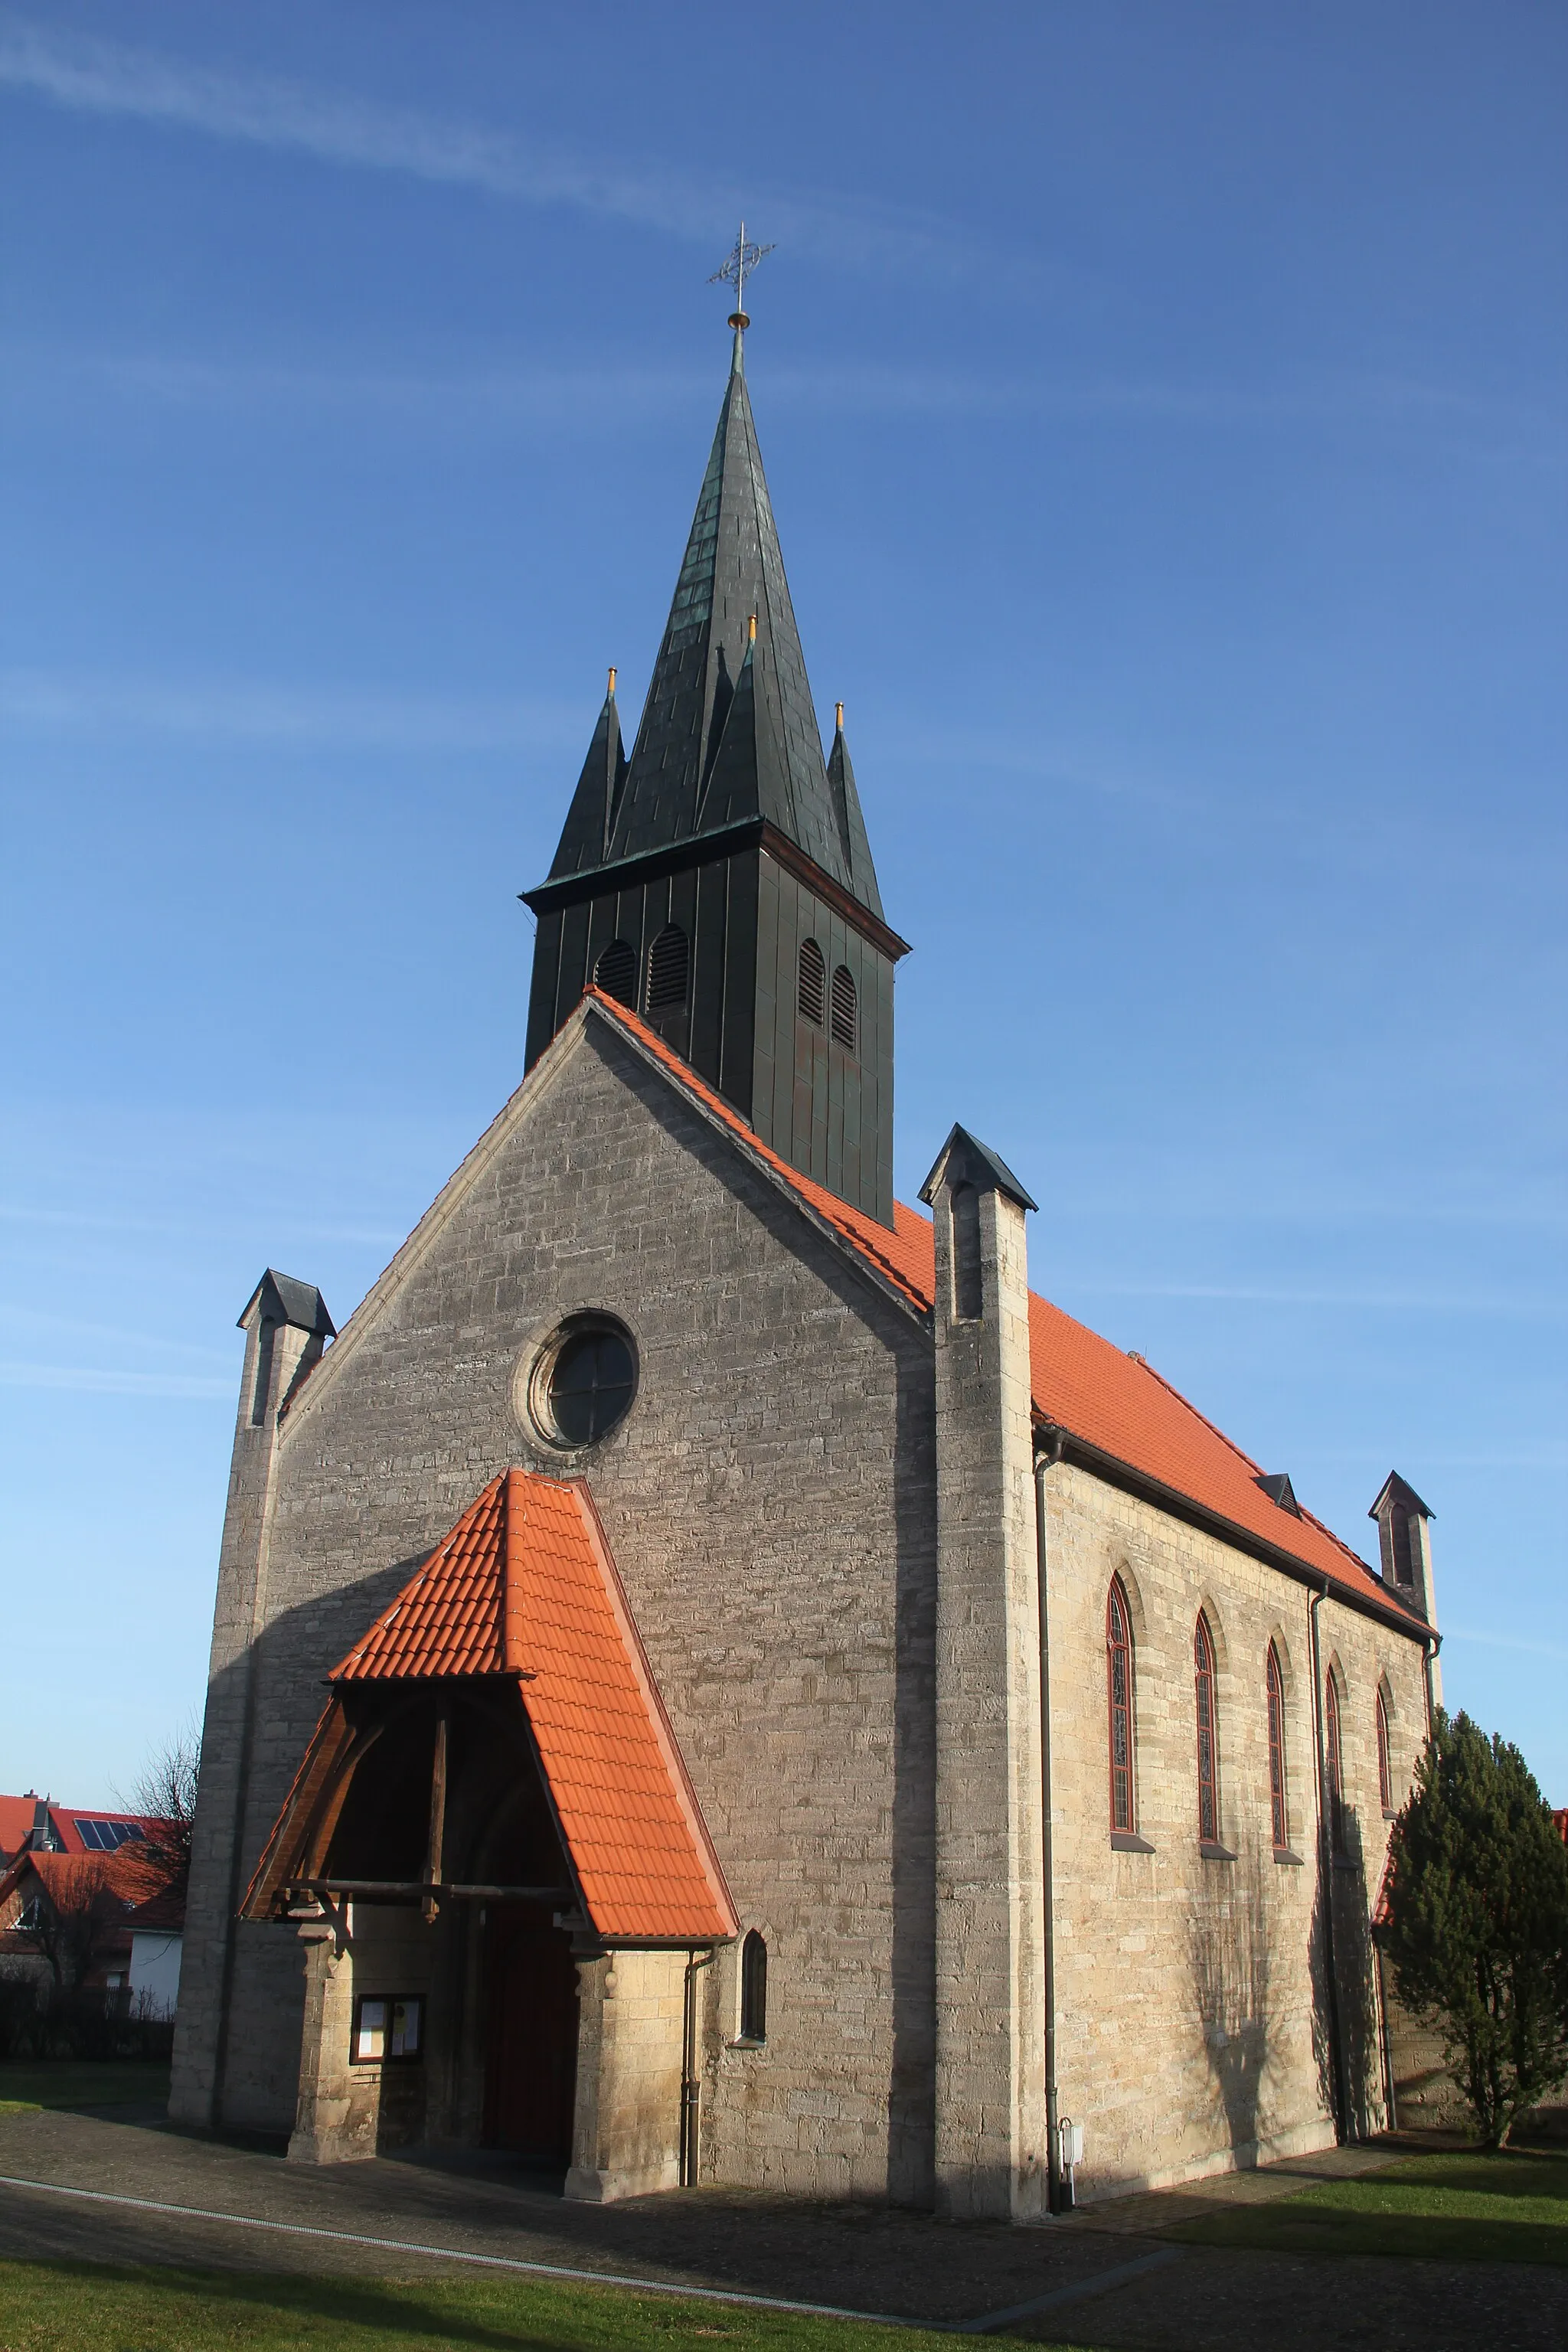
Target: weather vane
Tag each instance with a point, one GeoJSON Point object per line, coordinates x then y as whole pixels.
{"type": "Point", "coordinates": [743, 260]}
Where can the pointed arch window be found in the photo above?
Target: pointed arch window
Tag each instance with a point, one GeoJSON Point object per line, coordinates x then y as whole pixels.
{"type": "Point", "coordinates": [1119, 1699]}
{"type": "Point", "coordinates": [1276, 1684]}
{"type": "Point", "coordinates": [1208, 1767]}
{"type": "Point", "coordinates": [1333, 1765]}
{"type": "Point", "coordinates": [844, 1009]}
{"type": "Point", "coordinates": [811, 984]}
{"type": "Point", "coordinates": [617, 973]}
{"type": "Point", "coordinates": [753, 1989]}
{"type": "Point", "coordinates": [669, 964]}
{"type": "Point", "coordinates": [1384, 1756]}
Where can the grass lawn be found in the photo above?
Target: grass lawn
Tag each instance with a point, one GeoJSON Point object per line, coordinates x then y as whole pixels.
{"type": "Point", "coordinates": [60, 2306]}
{"type": "Point", "coordinates": [1474, 2206]}
{"type": "Point", "coordinates": [66, 2082]}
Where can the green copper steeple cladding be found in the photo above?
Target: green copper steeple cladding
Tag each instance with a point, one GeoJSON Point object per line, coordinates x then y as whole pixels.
{"type": "Point", "coordinates": [728, 826]}
{"type": "Point", "coordinates": [732, 569]}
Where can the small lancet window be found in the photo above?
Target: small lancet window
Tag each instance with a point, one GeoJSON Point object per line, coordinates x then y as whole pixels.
{"type": "Point", "coordinates": [1208, 1775]}
{"type": "Point", "coordinates": [968, 1293]}
{"type": "Point", "coordinates": [1119, 1695]}
{"type": "Point", "coordinates": [753, 1989]}
{"type": "Point", "coordinates": [844, 1011]}
{"type": "Point", "coordinates": [617, 973]}
{"type": "Point", "coordinates": [667, 964]}
{"type": "Point", "coordinates": [1384, 1756]}
{"type": "Point", "coordinates": [811, 984]}
{"type": "Point", "coordinates": [1333, 1764]}
{"type": "Point", "coordinates": [1277, 1750]}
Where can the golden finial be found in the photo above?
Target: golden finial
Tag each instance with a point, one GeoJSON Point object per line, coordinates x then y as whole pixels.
{"type": "Point", "coordinates": [752, 630]}
{"type": "Point", "coordinates": [611, 688]}
{"type": "Point", "coordinates": [838, 717]}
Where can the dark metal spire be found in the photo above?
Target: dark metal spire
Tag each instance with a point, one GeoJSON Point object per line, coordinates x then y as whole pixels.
{"type": "Point", "coordinates": [585, 835]}
{"type": "Point", "coordinates": [685, 778]}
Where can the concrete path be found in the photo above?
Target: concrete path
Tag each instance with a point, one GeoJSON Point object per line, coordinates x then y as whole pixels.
{"type": "Point", "coordinates": [1104, 2277]}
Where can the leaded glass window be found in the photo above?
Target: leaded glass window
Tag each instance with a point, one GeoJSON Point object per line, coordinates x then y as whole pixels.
{"type": "Point", "coordinates": [1209, 1770]}
{"type": "Point", "coordinates": [1277, 1750]}
{"type": "Point", "coordinates": [1118, 1691]}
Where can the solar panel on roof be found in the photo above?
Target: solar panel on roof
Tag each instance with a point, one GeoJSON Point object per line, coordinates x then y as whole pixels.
{"type": "Point", "coordinates": [108, 1837]}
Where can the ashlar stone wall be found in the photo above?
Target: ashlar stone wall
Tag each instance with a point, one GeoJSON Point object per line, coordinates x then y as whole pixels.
{"type": "Point", "coordinates": [770, 1505]}
{"type": "Point", "coordinates": [1193, 2007]}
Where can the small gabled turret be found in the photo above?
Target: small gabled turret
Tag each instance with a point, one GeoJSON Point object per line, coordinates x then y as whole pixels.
{"type": "Point", "coordinates": [1403, 1520]}
{"type": "Point", "coordinates": [585, 837]}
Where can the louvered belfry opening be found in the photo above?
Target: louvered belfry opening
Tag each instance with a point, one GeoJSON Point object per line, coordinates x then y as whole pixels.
{"type": "Point", "coordinates": [726, 839]}
{"type": "Point", "coordinates": [617, 973]}
{"type": "Point", "coordinates": [811, 984]}
{"type": "Point", "coordinates": [668, 968]}
{"type": "Point", "coordinates": [846, 1008]}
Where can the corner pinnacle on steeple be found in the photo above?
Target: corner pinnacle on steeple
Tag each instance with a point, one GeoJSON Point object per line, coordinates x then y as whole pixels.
{"type": "Point", "coordinates": [585, 837]}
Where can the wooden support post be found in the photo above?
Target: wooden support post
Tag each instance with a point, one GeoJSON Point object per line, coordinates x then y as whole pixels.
{"type": "Point", "coordinates": [437, 1812]}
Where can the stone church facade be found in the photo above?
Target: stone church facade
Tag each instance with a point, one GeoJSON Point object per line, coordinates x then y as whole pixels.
{"type": "Point", "coordinates": [712, 1679]}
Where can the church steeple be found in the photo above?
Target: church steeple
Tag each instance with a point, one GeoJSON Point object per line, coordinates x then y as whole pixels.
{"type": "Point", "coordinates": [728, 826]}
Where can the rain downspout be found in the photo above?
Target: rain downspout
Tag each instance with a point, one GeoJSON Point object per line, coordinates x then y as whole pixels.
{"type": "Point", "coordinates": [691, 2080]}
{"type": "Point", "coordinates": [1047, 1905]}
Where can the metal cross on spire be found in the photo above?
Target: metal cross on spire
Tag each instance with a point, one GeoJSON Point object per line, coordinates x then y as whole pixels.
{"type": "Point", "coordinates": [744, 260]}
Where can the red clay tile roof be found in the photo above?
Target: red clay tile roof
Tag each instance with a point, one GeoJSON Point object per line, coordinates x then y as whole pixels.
{"type": "Point", "coordinates": [524, 1586]}
{"type": "Point", "coordinates": [1083, 1384]}
{"type": "Point", "coordinates": [16, 1823]}
{"type": "Point", "coordinates": [130, 1876]}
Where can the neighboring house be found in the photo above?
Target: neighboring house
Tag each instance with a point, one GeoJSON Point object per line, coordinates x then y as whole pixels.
{"type": "Point", "coordinates": [40, 1825]}
{"type": "Point", "coordinates": [157, 1940]}
{"type": "Point", "coordinates": [802, 1712]}
{"type": "Point", "coordinates": [76, 1920]}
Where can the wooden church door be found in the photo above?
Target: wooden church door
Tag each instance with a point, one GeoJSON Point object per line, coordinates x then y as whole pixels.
{"type": "Point", "coordinates": [530, 2050]}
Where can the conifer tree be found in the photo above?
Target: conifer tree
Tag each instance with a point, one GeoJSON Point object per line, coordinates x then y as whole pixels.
{"type": "Point", "coordinates": [1476, 1925]}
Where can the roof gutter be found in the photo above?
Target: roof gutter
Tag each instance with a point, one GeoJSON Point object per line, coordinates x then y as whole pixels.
{"type": "Point", "coordinates": [1133, 1481]}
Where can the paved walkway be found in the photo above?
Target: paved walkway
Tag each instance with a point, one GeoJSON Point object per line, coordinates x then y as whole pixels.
{"type": "Point", "coordinates": [1104, 2277]}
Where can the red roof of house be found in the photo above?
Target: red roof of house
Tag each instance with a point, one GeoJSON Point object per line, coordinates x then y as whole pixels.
{"type": "Point", "coordinates": [16, 1823]}
{"type": "Point", "coordinates": [134, 1877]}
{"type": "Point", "coordinates": [1561, 1819]}
{"type": "Point", "coordinates": [524, 1585]}
{"type": "Point", "coordinates": [1115, 1402]}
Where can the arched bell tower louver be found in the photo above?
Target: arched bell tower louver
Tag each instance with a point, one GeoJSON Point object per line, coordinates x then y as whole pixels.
{"type": "Point", "coordinates": [727, 832]}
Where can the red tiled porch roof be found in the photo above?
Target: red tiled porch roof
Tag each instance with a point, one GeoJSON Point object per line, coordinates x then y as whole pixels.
{"type": "Point", "coordinates": [524, 1587]}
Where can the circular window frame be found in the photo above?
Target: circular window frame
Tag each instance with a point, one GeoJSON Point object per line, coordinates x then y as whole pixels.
{"type": "Point", "coordinates": [538, 1369]}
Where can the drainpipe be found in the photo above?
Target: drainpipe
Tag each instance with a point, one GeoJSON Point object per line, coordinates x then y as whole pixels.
{"type": "Point", "coordinates": [691, 2080]}
{"type": "Point", "coordinates": [1326, 1879]}
{"type": "Point", "coordinates": [1047, 1905]}
{"type": "Point", "coordinates": [1429, 1649]}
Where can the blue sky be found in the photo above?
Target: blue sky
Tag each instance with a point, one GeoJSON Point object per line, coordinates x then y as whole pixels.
{"type": "Point", "coordinates": [1163, 410]}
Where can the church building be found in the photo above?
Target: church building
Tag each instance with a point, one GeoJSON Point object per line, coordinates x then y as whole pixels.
{"type": "Point", "coordinates": [714, 1679]}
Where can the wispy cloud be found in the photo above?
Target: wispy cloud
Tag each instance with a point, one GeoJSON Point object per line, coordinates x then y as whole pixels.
{"type": "Point", "coordinates": [93, 76]}
{"type": "Point", "coordinates": [86, 1379]}
{"type": "Point", "coordinates": [93, 703]}
{"type": "Point", "coordinates": [1530, 1307]}
{"type": "Point", "coordinates": [1533, 1648]}
{"type": "Point", "coordinates": [583, 394]}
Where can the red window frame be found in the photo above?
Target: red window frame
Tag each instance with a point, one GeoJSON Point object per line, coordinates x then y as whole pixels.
{"type": "Point", "coordinates": [1119, 1702]}
{"type": "Point", "coordinates": [1208, 1767]}
{"type": "Point", "coordinates": [1331, 1753]}
{"type": "Point", "coordinates": [1384, 1760]}
{"type": "Point", "coordinates": [1275, 1686]}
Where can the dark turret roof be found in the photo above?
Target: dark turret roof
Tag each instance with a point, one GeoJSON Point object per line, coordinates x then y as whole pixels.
{"type": "Point", "coordinates": [728, 731]}
{"type": "Point", "coordinates": [585, 837]}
